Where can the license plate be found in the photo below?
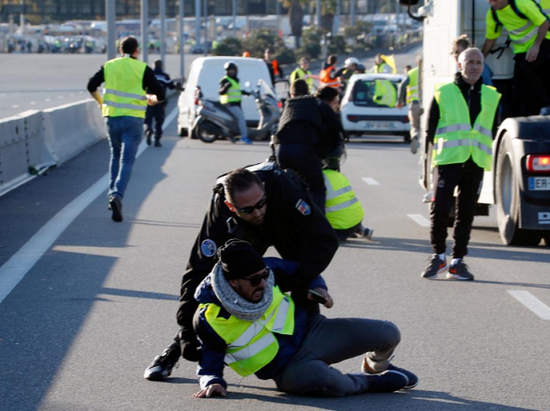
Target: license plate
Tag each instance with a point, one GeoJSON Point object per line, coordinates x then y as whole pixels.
{"type": "Point", "coordinates": [539, 183]}
{"type": "Point", "coordinates": [379, 125]}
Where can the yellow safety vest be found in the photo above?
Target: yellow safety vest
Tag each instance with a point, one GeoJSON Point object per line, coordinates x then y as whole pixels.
{"type": "Point", "coordinates": [384, 93]}
{"type": "Point", "coordinates": [252, 345]}
{"type": "Point", "coordinates": [299, 73]}
{"type": "Point", "coordinates": [343, 210]}
{"type": "Point", "coordinates": [522, 32]}
{"type": "Point", "coordinates": [412, 88]}
{"type": "Point", "coordinates": [455, 139]}
{"type": "Point", "coordinates": [124, 94]}
{"type": "Point", "coordinates": [234, 93]}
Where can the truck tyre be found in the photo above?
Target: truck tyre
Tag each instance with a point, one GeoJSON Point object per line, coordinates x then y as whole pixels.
{"type": "Point", "coordinates": [205, 132]}
{"type": "Point", "coordinates": [508, 199]}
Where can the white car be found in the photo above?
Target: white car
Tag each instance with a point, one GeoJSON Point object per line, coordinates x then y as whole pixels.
{"type": "Point", "coordinates": [369, 106]}
{"type": "Point", "coordinates": [206, 73]}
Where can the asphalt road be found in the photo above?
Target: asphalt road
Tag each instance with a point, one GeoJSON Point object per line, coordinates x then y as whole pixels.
{"type": "Point", "coordinates": [79, 329]}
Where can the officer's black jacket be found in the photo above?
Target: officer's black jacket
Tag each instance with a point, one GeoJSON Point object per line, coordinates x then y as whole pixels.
{"type": "Point", "coordinates": [292, 224]}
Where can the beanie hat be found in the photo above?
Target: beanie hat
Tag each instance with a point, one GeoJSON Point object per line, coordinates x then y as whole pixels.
{"type": "Point", "coordinates": [239, 259]}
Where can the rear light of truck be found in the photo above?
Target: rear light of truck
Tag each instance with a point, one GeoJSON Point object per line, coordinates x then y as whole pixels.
{"type": "Point", "coordinates": [537, 163]}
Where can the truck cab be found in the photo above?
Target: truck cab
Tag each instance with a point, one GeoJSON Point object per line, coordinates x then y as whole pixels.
{"type": "Point", "coordinates": [519, 183]}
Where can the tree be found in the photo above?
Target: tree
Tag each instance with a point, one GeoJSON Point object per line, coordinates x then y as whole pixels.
{"type": "Point", "coordinates": [296, 17]}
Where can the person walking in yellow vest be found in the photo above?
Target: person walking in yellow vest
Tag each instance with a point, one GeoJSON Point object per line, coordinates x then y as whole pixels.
{"type": "Point", "coordinates": [303, 72]}
{"type": "Point", "coordinates": [343, 210]}
{"type": "Point", "coordinates": [231, 96]}
{"type": "Point", "coordinates": [460, 125]}
{"type": "Point", "coordinates": [409, 93]}
{"type": "Point", "coordinates": [527, 24]}
{"type": "Point", "coordinates": [130, 85]}
{"type": "Point", "coordinates": [247, 322]}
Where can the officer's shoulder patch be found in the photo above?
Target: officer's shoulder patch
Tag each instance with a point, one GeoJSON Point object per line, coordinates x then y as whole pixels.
{"type": "Point", "coordinates": [208, 248]}
{"type": "Point", "coordinates": [303, 207]}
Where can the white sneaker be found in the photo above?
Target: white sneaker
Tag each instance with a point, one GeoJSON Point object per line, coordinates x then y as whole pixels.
{"type": "Point", "coordinates": [414, 144]}
{"type": "Point", "coordinates": [367, 233]}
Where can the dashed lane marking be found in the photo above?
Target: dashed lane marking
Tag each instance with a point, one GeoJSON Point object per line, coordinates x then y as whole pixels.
{"type": "Point", "coordinates": [15, 106]}
{"type": "Point", "coordinates": [419, 219]}
{"type": "Point", "coordinates": [532, 303]}
{"type": "Point", "coordinates": [370, 181]}
{"type": "Point", "coordinates": [13, 271]}
{"type": "Point", "coordinates": [32, 103]}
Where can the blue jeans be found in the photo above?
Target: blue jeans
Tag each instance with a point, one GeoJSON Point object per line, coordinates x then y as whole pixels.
{"type": "Point", "coordinates": [125, 134]}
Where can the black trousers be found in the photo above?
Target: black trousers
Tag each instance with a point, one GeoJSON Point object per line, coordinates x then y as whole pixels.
{"type": "Point", "coordinates": [468, 177]}
{"type": "Point", "coordinates": [304, 159]}
{"type": "Point", "coordinates": [155, 113]}
{"type": "Point", "coordinates": [532, 82]}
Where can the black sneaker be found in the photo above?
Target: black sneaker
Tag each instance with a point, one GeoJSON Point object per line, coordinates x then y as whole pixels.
{"type": "Point", "coordinates": [387, 381]}
{"type": "Point", "coordinates": [162, 365]}
{"type": "Point", "coordinates": [437, 266]}
{"type": "Point", "coordinates": [115, 205]}
{"type": "Point", "coordinates": [460, 271]}
{"type": "Point", "coordinates": [157, 143]}
{"type": "Point", "coordinates": [413, 379]}
{"type": "Point", "coordinates": [367, 233]}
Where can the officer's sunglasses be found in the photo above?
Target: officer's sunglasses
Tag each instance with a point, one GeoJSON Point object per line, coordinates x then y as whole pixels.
{"type": "Point", "coordinates": [250, 209]}
{"type": "Point", "coordinates": [257, 279]}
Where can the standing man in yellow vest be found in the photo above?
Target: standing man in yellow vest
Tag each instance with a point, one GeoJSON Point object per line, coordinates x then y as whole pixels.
{"type": "Point", "coordinates": [528, 26]}
{"type": "Point", "coordinates": [303, 72]}
{"type": "Point", "coordinates": [231, 96]}
{"type": "Point", "coordinates": [247, 322]}
{"type": "Point", "coordinates": [409, 93]}
{"type": "Point", "coordinates": [124, 103]}
{"type": "Point", "coordinates": [460, 125]}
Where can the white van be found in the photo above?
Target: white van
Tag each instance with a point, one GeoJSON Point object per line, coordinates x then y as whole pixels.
{"type": "Point", "coordinates": [206, 73]}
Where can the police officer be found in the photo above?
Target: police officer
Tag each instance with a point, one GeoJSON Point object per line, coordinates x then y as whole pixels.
{"type": "Point", "coordinates": [460, 125]}
{"type": "Point", "coordinates": [156, 112]}
{"type": "Point", "coordinates": [265, 206]}
{"type": "Point", "coordinates": [302, 138]}
{"type": "Point", "coordinates": [303, 72]}
{"type": "Point", "coordinates": [409, 93]}
{"type": "Point", "coordinates": [124, 105]}
{"type": "Point", "coordinates": [528, 28]}
{"type": "Point", "coordinates": [231, 96]}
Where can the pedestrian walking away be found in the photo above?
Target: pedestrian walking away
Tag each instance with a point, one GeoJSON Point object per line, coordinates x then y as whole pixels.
{"type": "Point", "coordinates": [248, 323]}
{"type": "Point", "coordinates": [130, 85]}
{"type": "Point", "coordinates": [156, 113]}
{"type": "Point", "coordinates": [266, 206]}
{"type": "Point", "coordinates": [461, 126]}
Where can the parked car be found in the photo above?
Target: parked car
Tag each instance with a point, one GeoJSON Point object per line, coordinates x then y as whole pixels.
{"type": "Point", "coordinates": [369, 106]}
{"type": "Point", "coordinates": [205, 74]}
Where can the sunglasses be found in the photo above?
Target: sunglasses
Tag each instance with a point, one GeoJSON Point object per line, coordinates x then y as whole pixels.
{"type": "Point", "coordinates": [250, 209]}
{"type": "Point", "coordinates": [257, 279]}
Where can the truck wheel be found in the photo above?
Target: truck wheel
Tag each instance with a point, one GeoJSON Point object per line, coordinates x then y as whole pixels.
{"type": "Point", "coordinates": [508, 200]}
{"type": "Point", "coordinates": [205, 133]}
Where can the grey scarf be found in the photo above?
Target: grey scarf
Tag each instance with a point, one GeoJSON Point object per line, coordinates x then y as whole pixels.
{"type": "Point", "coordinates": [237, 305]}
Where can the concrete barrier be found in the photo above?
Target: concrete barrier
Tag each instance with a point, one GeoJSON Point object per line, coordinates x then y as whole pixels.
{"type": "Point", "coordinates": [72, 128]}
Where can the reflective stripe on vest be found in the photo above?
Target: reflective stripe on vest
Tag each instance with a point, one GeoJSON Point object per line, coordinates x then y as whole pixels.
{"type": "Point", "coordinates": [124, 94]}
{"type": "Point", "coordinates": [412, 88]}
{"type": "Point", "coordinates": [252, 345]}
{"type": "Point", "coordinates": [233, 94]}
{"type": "Point", "coordinates": [299, 73]}
{"type": "Point", "coordinates": [343, 210]}
{"type": "Point", "coordinates": [325, 78]}
{"type": "Point", "coordinates": [455, 139]}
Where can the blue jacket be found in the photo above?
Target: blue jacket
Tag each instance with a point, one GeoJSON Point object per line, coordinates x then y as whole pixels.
{"type": "Point", "coordinates": [210, 368]}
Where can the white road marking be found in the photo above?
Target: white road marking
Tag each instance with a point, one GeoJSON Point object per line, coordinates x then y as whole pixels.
{"type": "Point", "coordinates": [419, 219]}
{"type": "Point", "coordinates": [15, 106]}
{"type": "Point", "coordinates": [532, 303]}
{"type": "Point", "coordinates": [370, 181]}
{"type": "Point", "coordinates": [32, 103]}
{"type": "Point", "coordinates": [60, 96]}
{"type": "Point", "coordinates": [13, 271]}
{"type": "Point", "coordinates": [48, 99]}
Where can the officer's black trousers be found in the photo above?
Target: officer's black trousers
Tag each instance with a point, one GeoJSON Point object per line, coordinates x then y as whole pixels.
{"type": "Point", "coordinates": [156, 113]}
{"type": "Point", "coordinates": [304, 159]}
{"type": "Point", "coordinates": [468, 177]}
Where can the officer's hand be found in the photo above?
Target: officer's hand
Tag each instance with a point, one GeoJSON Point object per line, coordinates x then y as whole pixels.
{"type": "Point", "coordinates": [211, 391]}
{"type": "Point", "coordinates": [329, 301]}
{"type": "Point", "coordinates": [152, 99]}
{"type": "Point", "coordinates": [190, 350]}
{"type": "Point", "coordinates": [533, 53]}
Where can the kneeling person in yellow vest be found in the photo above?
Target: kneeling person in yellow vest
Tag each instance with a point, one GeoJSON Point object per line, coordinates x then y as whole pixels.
{"type": "Point", "coordinates": [343, 210]}
{"type": "Point", "coordinates": [460, 124]}
{"type": "Point", "coordinates": [127, 80]}
{"type": "Point", "coordinates": [247, 322]}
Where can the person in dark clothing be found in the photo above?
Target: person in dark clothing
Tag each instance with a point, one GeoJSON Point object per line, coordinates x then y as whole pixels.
{"type": "Point", "coordinates": [130, 85]}
{"type": "Point", "coordinates": [273, 66]}
{"type": "Point", "coordinates": [266, 206]}
{"type": "Point", "coordinates": [243, 306]}
{"type": "Point", "coordinates": [302, 139]}
{"type": "Point", "coordinates": [156, 112]}
{"type": "Point", "coordinates": [461, 127]}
